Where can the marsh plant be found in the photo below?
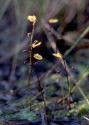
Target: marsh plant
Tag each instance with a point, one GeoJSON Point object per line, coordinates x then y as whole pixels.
{"type": "Point", "coordinates": [36, 56]}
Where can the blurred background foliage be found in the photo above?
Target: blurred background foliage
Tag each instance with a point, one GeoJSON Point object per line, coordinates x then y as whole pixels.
{"type": "Point", "coordinates": [73, 16]}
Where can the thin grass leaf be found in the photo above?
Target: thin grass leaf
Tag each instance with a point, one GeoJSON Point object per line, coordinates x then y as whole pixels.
{"type": "Point", "coordinates": [77, 41]}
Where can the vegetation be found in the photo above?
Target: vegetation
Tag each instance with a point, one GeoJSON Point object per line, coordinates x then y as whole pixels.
{"type": "Point", "coordinates": [44, 62]}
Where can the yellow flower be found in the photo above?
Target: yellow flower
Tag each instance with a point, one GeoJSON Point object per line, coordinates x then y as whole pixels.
{"type": "Point", "coordinates": [32, 18]}
{"type": "Point", "coordinates": [38, 56]}
{"type": "Point", "coordinates": [58, 55]}
{"type": "Point", "coordinates": [36, 43]}
{"type": "Point", "coordinates": [53, 20]}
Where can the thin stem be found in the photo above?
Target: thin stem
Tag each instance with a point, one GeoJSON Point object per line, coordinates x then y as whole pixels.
{"type": "Point", "coordinates": [77, 41]}
{"type": "Point", "coordinates": [30, 63]}
{"type": "Point", "coordinates": [77, 87]}
{"type": "Point", "coordinates": [40, 90]}
{"type": "Point", "coordinates": [43, 96]}
{"type": "Point", "coordinates": [68, 82]}
{"type": "Point", "coordinates": [62, 86]}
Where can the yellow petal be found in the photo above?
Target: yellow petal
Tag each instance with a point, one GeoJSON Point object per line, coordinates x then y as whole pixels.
{"type": "Point", "coordinates": [36, 43]}
{"type": "Point", "coordinates": [38, 56]}
{"type": "Point", "coordinates": [32, 18]}
{"type": "Point", "coordinates": [58, 55]}
{"type": "Point", "coordinates": [53, 20]}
